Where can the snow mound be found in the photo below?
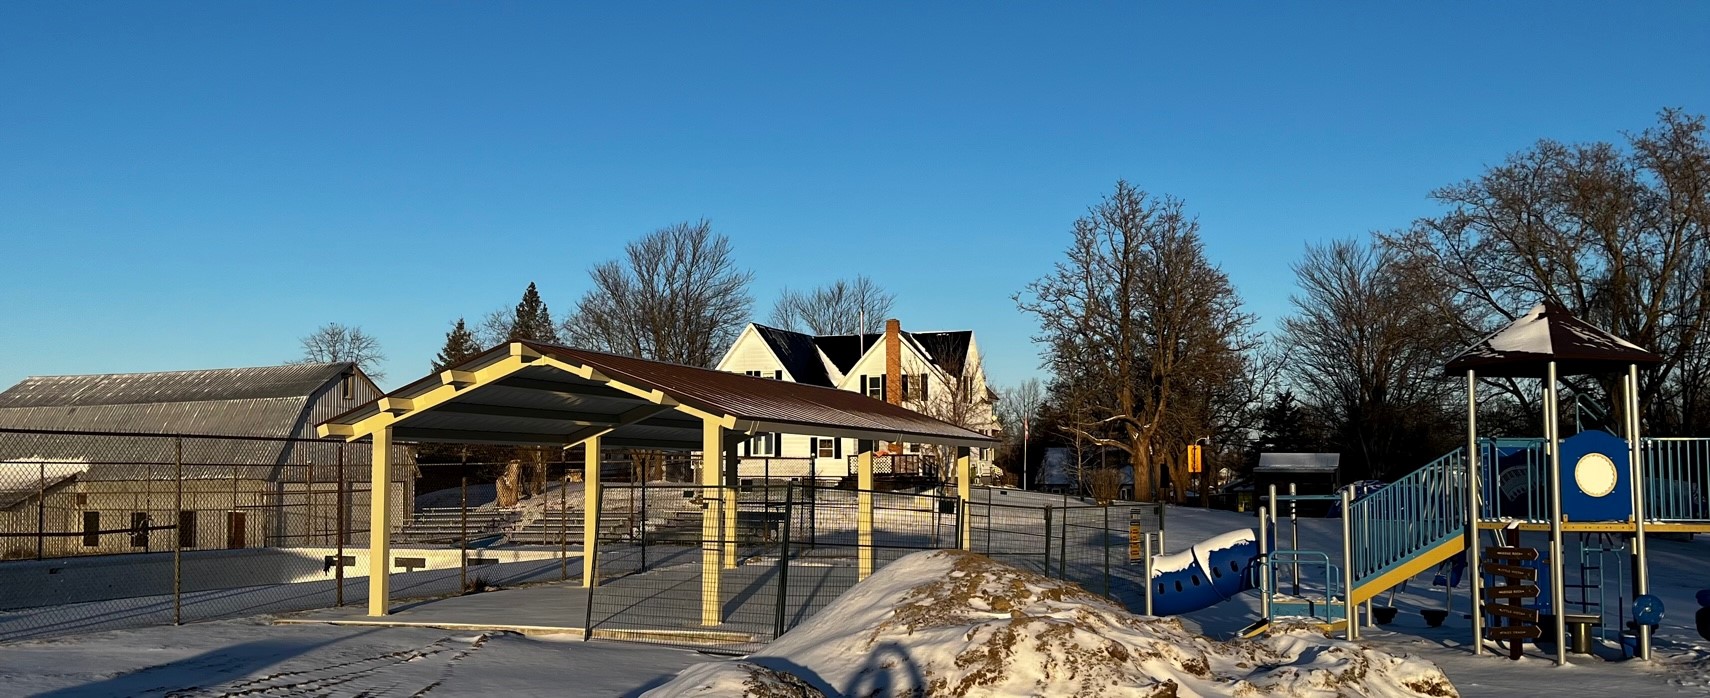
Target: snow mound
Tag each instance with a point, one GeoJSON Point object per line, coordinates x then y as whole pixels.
{"type": "Point", "coordinates": [949, 623]}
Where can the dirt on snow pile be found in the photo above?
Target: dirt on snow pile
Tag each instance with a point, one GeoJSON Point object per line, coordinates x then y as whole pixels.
{"type": "Point", "coordinates": [948, 623]}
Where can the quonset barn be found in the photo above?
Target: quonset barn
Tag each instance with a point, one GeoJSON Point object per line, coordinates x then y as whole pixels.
{"type": "Point", "coordinates": [97, 493]}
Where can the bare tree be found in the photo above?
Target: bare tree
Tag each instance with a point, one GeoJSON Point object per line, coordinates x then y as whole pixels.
{"type": "Point", "coordinates": [677, 295]}
{"type": "Point", "coordinates": [1017, 408]}
{"type": "Point", "coordinates": [1618, 236]}
{"type": "Point", "coordinates": [962, 400]}
{"type": "Point", "coordinates": [1137, 310]}
{"type": "Point", "coordinates": [1367, 351]}
{"type": "Point", "coordinates": [334, 342]}
{"type": "Point", "coordinates": [844, 306]}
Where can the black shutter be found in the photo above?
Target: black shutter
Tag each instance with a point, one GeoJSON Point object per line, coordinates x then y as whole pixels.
{"type": "Point", "coordinates": [924, 381]}
{"type": "Point", "coordinates": [744, 451]}
{"type": "Point", "coordinates": [837, 448]}
{"type": "Point", "coordinates": [813, 447]}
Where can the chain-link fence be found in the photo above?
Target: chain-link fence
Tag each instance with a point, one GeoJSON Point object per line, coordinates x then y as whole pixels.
{"type": "Point", "coordinates": [105, 530]}
{"type": "Point", "coordinates": [730, 569]}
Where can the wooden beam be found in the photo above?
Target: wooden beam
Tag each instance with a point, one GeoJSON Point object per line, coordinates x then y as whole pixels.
{"type": "Point", "coordinates": [457, 379]}
{"type": "Point", "coordinates": [566, 388]}
{"type": "Point", "coordinates": [527, 413]}
{"type": "Point", "coordinates": [396, 405]}
{"type": "Point", "coordinates": [473, 436]}
{"type": "Point", "coordinates": [653, 443]}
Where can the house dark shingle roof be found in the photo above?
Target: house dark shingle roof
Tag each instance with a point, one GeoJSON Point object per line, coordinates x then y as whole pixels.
{"type": "Point", "coordinates": [798, 354]}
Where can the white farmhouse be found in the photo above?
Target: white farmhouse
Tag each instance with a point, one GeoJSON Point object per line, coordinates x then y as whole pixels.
{"type": "Point", "coordinates": [936, 373]}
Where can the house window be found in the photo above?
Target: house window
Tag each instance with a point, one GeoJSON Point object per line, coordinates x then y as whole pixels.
{"type": "Point", "coordinates": [139, 529]}
{"type": "Point", "coordinates": [778, 375]}
{"type": "Point", "coordinates": [764, 445]}
{"type": "Point", "coordinates": [347, 387]}
{"type": "Point", "coordinates": [186, 529]}
{"type": "Point", "coordinates": [876, 387]}
{"type": "Point", "coordinates": [82, 499]}
{"type": "Point", "coordinates": [827, 448]}
{"type": "Point", "coordinates": [755, 374]}
{"type": "Point", "coordinates": [91, 529]}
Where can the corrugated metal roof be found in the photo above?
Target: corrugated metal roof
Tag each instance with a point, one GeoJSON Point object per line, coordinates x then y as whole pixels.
{"type": "Point", "coordinates": [759, 399]}
{"type": "Point", "coordinates": [291, 380]}
{"type": "Point", "coordinates": [770, 405]}
{"type": "Point", "coordinates": [253, 417]}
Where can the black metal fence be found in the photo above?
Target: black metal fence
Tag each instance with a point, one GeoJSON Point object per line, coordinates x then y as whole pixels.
{"type": "Point", "coordinates": [730, 569]}
{"type": "Point", "coordinates": [102, 530]}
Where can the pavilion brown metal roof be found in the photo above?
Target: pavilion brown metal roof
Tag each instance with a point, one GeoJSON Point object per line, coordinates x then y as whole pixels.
{"type": "Point", "coordinates": [1548, 332]}
{"type": "Point", "coordinates": [550, 393]}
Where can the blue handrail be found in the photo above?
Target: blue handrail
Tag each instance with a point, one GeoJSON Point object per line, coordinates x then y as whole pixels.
{"type": "Point", "coordinates": [1406, 517]}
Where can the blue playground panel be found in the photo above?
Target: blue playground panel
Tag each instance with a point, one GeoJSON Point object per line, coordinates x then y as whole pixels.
{"type": "Point", "coordinates": [1210, 577]}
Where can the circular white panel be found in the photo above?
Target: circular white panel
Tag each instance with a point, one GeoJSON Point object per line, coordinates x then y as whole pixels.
{"type": "Point", "coordinates": [1595, 474]}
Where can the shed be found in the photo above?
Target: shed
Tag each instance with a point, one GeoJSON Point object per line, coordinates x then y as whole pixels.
{"type": "Point", "coordinates": [92, 454]}
{"type": "Point", "coordinates": [1311, 473]}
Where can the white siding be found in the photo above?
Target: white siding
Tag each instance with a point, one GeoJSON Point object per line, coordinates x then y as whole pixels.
{"type": "Point", "coordinates": [751, 353]}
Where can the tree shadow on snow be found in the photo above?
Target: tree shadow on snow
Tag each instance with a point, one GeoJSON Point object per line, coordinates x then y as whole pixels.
{"type": "Point", "coordinates": [210, 668]}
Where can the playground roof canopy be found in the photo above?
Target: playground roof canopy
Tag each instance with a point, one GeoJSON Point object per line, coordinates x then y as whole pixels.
{"type": "Point", "coordinates": [1548, 332]}
{"type": "Point", "coordinates": [535, 393]}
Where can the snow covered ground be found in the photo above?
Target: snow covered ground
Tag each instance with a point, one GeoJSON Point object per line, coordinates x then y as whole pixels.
{"type": "Point", "coordinates": [235, 656]}
{"type": "Point", "coordinates": [231, 658]}
{"type": "Point", "coordinates": [949, 623]}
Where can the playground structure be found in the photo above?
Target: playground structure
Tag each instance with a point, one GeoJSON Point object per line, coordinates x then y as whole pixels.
{"type": "Point", "coordinates": [1608, 490]}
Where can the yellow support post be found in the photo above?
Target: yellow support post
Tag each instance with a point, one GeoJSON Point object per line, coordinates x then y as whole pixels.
{"type": "Point", "coordinates": [590, 509]}
{"type": "Point", "coordinates": [864, 512]}
{"type": "Point", "coordinates": [712, 444]}
{"type": "Point", "coordinates": [379, 525]}
{"type": "Point", "coordinates": [964, 495]}
{"type": "Point", "coordinates": [728, 465]}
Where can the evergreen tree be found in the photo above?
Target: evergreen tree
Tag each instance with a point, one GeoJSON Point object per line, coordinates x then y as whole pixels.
{"type": "Point", "coordinates": [459, 346]}
{"type": "Point", "coordinates": [532, 320]}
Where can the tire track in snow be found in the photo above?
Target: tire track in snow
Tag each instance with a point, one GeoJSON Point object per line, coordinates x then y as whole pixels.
{"type": "Point", "coordinates": [388, 673]}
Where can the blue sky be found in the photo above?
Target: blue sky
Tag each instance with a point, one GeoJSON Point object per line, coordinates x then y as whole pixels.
{"type": "Point", "coordinates": [198, 185]}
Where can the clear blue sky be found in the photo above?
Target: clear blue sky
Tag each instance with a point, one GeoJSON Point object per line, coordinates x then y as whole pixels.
{"type": "Point", "coordinates": [198, 185]}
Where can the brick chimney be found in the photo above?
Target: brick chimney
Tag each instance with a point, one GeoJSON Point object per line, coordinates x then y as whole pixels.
{"type": "Point", "coordinates": [893, 369]}
{"type": "Point", "coordinates": [893, 362]}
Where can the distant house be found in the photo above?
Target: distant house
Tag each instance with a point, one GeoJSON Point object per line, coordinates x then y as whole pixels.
{"type": "Point", "coordinates": [939, 374]}
{"type": "Point", "coordinates": [237, 492]}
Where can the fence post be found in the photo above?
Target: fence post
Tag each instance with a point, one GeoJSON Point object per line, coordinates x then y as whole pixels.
{"type": "Point", "coordinates": [41, 510]}
{"type": "Point", "coordinates": [641, 530]}
{"type": "Point", "coordinates": [463, 537]}
{"type": "Point", "coordinates": [177, 533]}
{"type": "Point", "coordinates": [564, 523]}
{"type": "Point", "coordinates": [783, 565]}
{"type": "Point", "coordinates": [342, 532]}
{"type": "Point", "coordinates": [592, 566]}
{"type": "Point", "coordinates": [1047, 540]}
{"type": "Point", "coordinates": [1106, 547]}
{"type": "Point", "coordinates": [1063, 546]}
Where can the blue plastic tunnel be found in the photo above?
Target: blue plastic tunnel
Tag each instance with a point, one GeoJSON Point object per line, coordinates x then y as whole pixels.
{"type": "Point", "coordinates": [1209, 573]}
